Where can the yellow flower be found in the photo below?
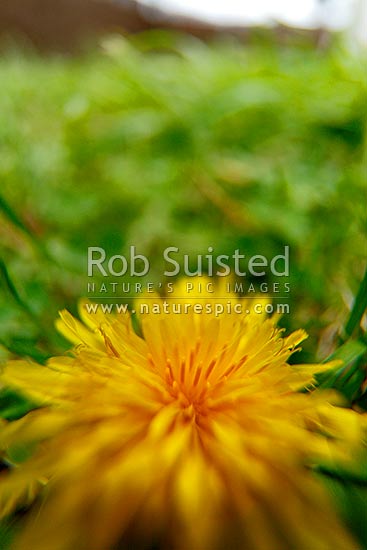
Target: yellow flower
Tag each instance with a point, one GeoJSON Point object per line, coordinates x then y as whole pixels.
{"type": "Point", "coordinates": [192, 437]}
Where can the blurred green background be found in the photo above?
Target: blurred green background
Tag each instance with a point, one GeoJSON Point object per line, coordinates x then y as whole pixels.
{"type": "Point", "coordinates": [164, 140]}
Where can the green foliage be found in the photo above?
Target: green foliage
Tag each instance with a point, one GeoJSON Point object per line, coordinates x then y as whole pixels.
{"type": "Point", "coordinates": [165, 140]}
{"type": "Point", "coordinates": [13, 405]}
{"type": "Point", "coordinates": [359, 307]}
{"type": "Point", "coordinates": [347, 378]}
{"type": "Point", "coordinates": [351, 501]}
{"type": "Point", "coordinates": [7, 533]}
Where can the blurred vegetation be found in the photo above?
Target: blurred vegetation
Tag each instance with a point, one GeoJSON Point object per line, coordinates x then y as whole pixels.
{"type": "Point", "coordinates": [162, 140]}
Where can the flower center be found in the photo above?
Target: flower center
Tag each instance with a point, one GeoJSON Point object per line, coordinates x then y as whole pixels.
{"type": "Point", "coordinates": [192, 379]}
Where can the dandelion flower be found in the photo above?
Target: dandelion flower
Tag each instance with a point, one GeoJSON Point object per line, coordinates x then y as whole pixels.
{"type": "Point", "coordinates": [193, 436]}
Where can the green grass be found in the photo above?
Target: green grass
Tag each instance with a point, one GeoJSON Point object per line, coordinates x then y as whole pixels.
{"type": "Point", "coordinates": [168, 141]}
